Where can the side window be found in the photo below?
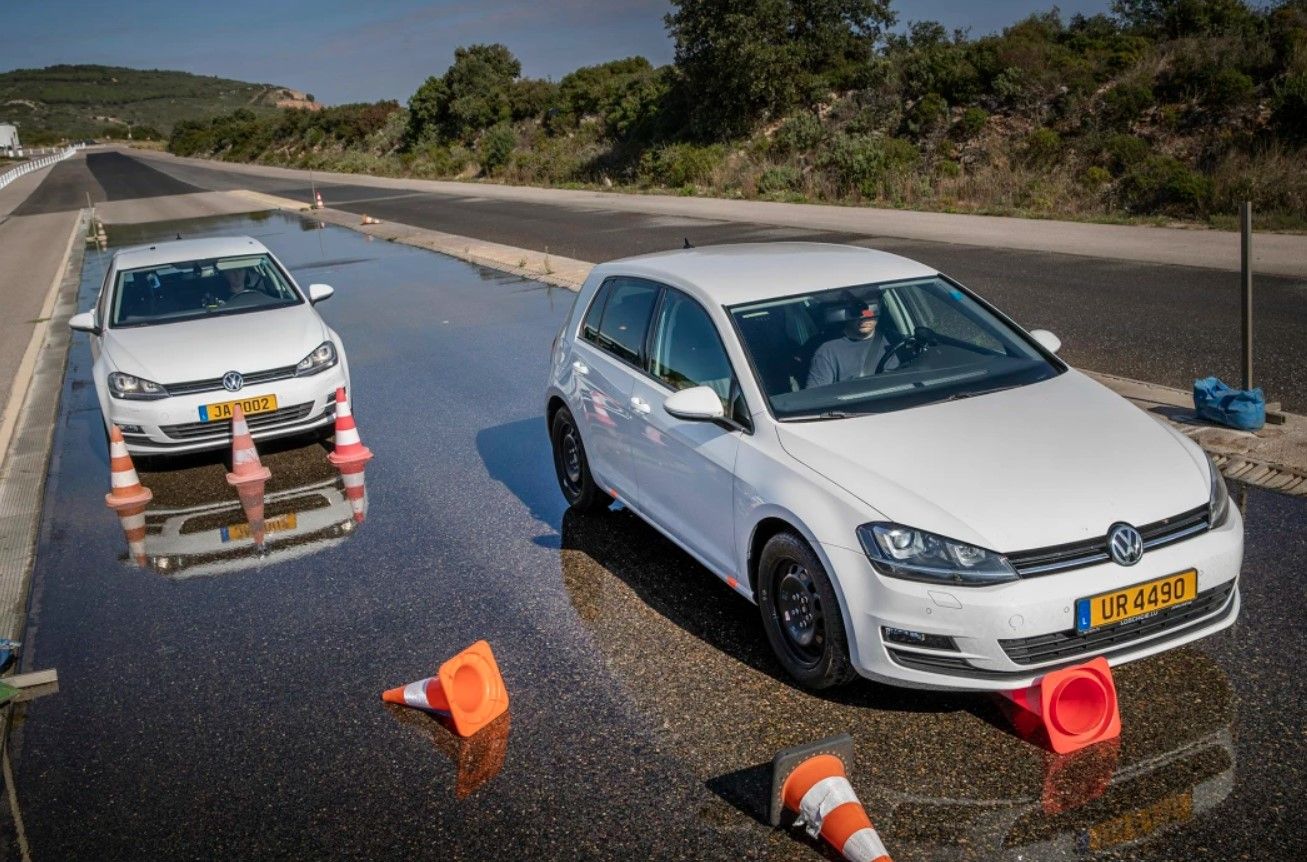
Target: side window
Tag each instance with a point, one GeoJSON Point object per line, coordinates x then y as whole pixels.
{"type": "Point", "coordinates": [687, 351]}
{"type": "Point", "coordinates": [590, 328]}
{"type": "Point", "coordinates": [625, 318]}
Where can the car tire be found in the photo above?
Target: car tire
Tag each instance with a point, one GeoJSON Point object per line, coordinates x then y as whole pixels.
{"type": "Point", "coordinates": [572, 468]}
{"type": "Point", "coordinates": [801, 614]}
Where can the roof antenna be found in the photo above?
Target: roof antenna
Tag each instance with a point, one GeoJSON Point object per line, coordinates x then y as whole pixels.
{"type": "Point", "coordinates": [688, 244]}
{"type": "Point", "coordinates": [179, 236]}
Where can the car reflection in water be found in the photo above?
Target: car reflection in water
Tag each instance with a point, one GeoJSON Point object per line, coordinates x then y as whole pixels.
{"type": "Point", "coordinates": [195, 526]}
{"type": "Point", "coordinates": [943, 775]}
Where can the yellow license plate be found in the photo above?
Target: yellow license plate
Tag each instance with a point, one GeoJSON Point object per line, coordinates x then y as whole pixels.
{"type": "Point", "coordinates": [223, 409]}
{"type": "Point", "coordinates": [1140, 600]}
{"type": "Point", "coordinates": [281, 523]}
{"type": "Point", "coordinates": [1136, 824]}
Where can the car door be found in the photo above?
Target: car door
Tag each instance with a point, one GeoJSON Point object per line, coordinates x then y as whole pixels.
{"type": "Point", "coordinates": [608, 355]}
{"type": "Point", "coordinates": [687, 468]}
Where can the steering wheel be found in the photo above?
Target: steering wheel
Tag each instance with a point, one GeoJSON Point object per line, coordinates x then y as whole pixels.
{"type": "Point", "coordinates": [912, 347]}
{"type": "Point", "coordinates": [248, 296]}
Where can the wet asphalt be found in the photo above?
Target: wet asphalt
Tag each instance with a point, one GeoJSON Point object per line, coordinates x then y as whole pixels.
{"type": "Point", "coordinates": [220, 702]}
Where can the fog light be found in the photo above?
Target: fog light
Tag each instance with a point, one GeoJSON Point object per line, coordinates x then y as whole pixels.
{"type": "Point", "coordinates": [918, 639]}
{"type": "Point", "coordinates": [131, 429]}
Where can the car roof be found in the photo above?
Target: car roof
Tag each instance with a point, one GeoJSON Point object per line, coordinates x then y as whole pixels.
{"type": "Point", "coordinates": [748, 272]}
{"type": "Point", "coordinates": [176, 251]}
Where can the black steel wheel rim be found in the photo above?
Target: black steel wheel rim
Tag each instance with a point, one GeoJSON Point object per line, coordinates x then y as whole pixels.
{"type": "Point", "coordinates": [569, 459]}
{"type": "Point", "coordinates": [799, 611]}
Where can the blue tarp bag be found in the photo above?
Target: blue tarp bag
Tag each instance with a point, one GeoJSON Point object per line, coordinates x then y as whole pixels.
{"type": "Point", "coordinates": [1244, 409]}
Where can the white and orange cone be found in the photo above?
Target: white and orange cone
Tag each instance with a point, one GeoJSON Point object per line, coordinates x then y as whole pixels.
{"type": "Point", "coordinates": [349, 448]}
{"type": "Point", "coordinates": [812, 782]}
{"type": "Point", "coordinates": [356, 489]}
{"type": "Point", "coordinates": [132, 520]}
{"type": "Point", "coordinates": [248, 473]}
{"type": "Point", "coordinates": [317, 200]}
{"type": "Point", "coordinates": [126, 490]}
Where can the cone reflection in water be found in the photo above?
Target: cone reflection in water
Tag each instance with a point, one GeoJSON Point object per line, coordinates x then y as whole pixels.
{"type": "Point", "coordinates": [356, 489]}
{"type": "Point", "coordinates": [132, 519]}
{"type": "Point", "coordinates": [248, 474]}
{"type": "Point", "coordinates": [477, 758]}
{"type": "Point", "coordinates": [1076, 779]}
{"type": "Point", "coordinates": [1069, 709]}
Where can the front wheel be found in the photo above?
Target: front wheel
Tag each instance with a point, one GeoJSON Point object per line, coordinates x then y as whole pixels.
{"type": "Point", "coordinates": [571, 466]}
{"type": "Point", "coordinates": [801, 614]}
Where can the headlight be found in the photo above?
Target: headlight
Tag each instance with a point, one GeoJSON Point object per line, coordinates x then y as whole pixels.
{"type": "Point", "coordinates": [915, 555]}
{"type": "Point", "coordinates": [137, 388]}
{"type": "Point", "coordinates": [322, 357]}
{"type": "Point", "coordinates": [1218, 501]}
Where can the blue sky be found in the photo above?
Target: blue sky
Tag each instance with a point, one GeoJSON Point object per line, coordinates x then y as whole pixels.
{"type": "Point", "coordinates": [356, 50]}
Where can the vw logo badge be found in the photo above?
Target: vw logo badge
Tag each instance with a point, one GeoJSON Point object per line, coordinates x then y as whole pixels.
{"type": "Point", "coordinates": [232, 381]}
{"type": "Point", "coordinates": [1125, 544]}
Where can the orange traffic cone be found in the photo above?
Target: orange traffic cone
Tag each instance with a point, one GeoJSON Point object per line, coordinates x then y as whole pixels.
{"type": "Point", "coordinates": [125, 486]}
{"type": "Point", "coordinates": [132, 519]}
{"type": "Point", "coordinates": [1074, 707]}
{"type": "Point", "coordinates": [468, 689]}
{"type": "Point", "coordinates": [349, 448]}
{"type": "Point", "coordinates": [367, 219]}
{"type": "Point", "coordinates": [317, 200]}
{"type": "Point", "coordinates": [812, 781]}
{"type": "Point", "coordinates": [248, 473]}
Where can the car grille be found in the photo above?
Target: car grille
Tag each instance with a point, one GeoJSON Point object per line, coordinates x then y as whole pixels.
{"type": "Point", "coordinates": [1070, 644]}
{"type": "Point", "coordinates": [215, 384]}
{"type": "Point", "coordinates": [258, 422]}
{"type": "Point", "coordinates": [1091, 552]}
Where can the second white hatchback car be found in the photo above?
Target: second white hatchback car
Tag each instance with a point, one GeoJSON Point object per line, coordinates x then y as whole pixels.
{"type": "Point", "coordinates": [183, 331]}
{"type": "Point", "coordinates": [909, 485]}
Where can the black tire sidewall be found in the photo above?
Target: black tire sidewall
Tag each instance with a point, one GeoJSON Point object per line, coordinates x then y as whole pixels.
{"type": "Point", "coordinates": [589, 498]}
{"type": "Point", "coordinates": [833, 668]}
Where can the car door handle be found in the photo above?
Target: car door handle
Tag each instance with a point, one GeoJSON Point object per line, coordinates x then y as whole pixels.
{"type": "Point", "coordinates": [640, 405]}
{"type": "Point", "coordinates": [580, 367]}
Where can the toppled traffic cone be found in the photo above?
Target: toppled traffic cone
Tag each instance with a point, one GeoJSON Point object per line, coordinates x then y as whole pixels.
{"type": "Point", "coordinates": [1073, 708]}
{"type": "Point", "coordinates": [349, 448]}
{"type": "Point", "coordinates": [126, 490]}
{"type": "Point", "coordinates": [367, 219]}
{"type": "Point", "coordinates": [812, 781]}
{"type": "Point", "coordinates": [247, 473]}
{"type": "Point", "coordinates": [468, 689]}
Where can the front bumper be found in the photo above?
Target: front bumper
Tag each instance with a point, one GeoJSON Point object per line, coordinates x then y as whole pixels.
{"type": "Point", "coordinates": [1010, 635]}
{"type": "Point", "coordinates": [172, 425]}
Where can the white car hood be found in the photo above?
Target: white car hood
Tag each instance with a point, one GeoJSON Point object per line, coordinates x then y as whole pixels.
{"type": "Point", "coordinates": [1053, 462]}
{"type": "Point", "coordinates": [210, 347]}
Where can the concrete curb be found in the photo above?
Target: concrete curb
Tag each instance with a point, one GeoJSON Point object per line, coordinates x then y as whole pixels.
{"type": "Point", "coordinates": [1274, 458]}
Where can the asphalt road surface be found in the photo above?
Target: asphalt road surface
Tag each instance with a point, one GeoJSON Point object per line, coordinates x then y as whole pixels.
{"type": "Point", "coordinates": [215, 702]}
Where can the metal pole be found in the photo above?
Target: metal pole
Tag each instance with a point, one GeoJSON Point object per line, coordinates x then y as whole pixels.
{"type": "Point", "coordinates": [1246, 229]}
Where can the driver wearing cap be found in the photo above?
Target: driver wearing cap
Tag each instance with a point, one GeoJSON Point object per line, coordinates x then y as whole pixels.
{"type": "Point", "coordinates": [855, 353]}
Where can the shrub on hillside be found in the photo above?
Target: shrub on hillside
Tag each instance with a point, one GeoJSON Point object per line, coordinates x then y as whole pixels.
{"type": "Point", "coordinates": [677, 165]}
{"type": "Point", "coordinates": [1289, 107]}
{"type": "Point", "coordinates": [778, 180]}
{"type": "Point", "coordinates": [494, 148]}
{"type": "Point", "coordinates": [1165, 184]}
{"type": "Point", "coordinates": [973, 119]}
{"type": "Point", "coordinates": [862, 164]}
{"type": "Point", "coordinates": [799, 134]}
{"type": "Point", "coordinates": [1042, 148]}
{"type": "Point", "coordinates": [1123, 104]}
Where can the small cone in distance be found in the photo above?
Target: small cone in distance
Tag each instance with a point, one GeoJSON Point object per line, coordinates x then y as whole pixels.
{"type": "Point", "coordinates": [248, 475]}
{"type": "Point", "coordinates": [126, 490]}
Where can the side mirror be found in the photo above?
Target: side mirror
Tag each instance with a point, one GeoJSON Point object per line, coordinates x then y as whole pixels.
{"type": "Point", "coordinates": [1047, 340]}
{"type": "Point", "coordinates": [319, 292]}
{"type": "Point", "coordinates": [84, 322]}
{"type": "Point", "coordinates": [698, 403]}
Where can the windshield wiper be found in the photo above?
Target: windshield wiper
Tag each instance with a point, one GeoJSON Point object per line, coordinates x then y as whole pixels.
{"type": "Point", "coordinates": [958, 396]}
{"type": "Point", "coordinates": [819, 417]}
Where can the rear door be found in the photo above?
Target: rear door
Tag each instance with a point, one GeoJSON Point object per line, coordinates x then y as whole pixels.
{"type": "Point", "coordinates": [687, 468]}
{"type": "Point", "coordinates": [609, 353]}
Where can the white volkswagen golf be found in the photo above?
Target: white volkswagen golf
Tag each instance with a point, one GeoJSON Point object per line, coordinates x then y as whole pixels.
{"type": "Point", "coordinates": [183, 331]}
{"type": "Point", "coordinates": [909, 485]}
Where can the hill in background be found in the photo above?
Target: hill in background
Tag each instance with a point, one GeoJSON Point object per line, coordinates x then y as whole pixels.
{"type": "Point", "coordinates": [60, 102]}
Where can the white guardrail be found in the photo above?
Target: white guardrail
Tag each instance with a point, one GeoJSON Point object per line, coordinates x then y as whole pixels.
{"type": "Point", "coordinates": [27, 167]}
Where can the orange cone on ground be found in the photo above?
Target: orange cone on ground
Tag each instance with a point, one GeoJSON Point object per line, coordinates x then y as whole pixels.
{"type": "Point", "coordinates": [125, 486]}
{"type": "Point", "coordinates": [317, 200]}
{"type": "Point", "coordinates": [468, 689]}
{"type": "Point", "coordinates": [812, 782]}
{"type": "Point", "coordinates": [349, 448]}
{"type": "Point", "coordinates": [132, 519]}
{"type": "Point", "coordinates": [1075, 706]}
{"type": "Point", "coordinates": [247, 473]}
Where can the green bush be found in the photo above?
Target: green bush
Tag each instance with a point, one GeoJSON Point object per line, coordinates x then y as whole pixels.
{"type": "Point", "coordinates": [927, 115]}
{"type": "Point", "coordinates": [1042, 148]}
{"type": "Point", "coordinates": [1094, 178]}
{"type": "Point", "coordinates": [863, 164]}
{"type": "Point", "coordinates": [679, 165]}
{"type": "Point", "coordinates": [495, 146]}
{"type": "Point", "coordinates": [1226, 88]}
{"type": "Point", "coordinates": [1289, 107]}
{"type": "Point", "coordinates": [1122, 152]}
{"type": "Point", "coordinates": [948, 168]}
{"type": "Point", "coordinates": [972, 121]}
{"type": "Point", "coordinates": [799, 134]}
{"type": "Point", "coordinates": [1165, 184]}
{"type": "Point", "coordinates": [1123, 104]}
{"type": "Point", "coordinates": [779, 179]}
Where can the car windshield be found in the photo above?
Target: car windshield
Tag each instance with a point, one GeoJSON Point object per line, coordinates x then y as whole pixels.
{"type": "Point", "coordinates": [876, 348]}
{"type": "Point", "coordinates": [187, 290]}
